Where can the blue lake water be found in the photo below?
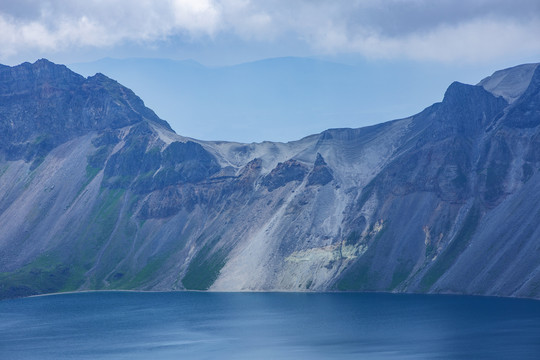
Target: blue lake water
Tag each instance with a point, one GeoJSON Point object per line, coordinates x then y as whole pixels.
{"type": "Point", "coordinates": [191, 325]}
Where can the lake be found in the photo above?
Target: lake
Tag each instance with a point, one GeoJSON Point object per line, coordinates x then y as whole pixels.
{"type": "Point", "coordinates": [197, 325]}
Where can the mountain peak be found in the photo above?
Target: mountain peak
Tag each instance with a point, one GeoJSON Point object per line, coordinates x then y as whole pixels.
{"type": "Point", "coordinates": [44, 66]}
{"type": "Point", "coordinates": [510, 83]}
{"type": "Point", "coordinates": [60, 104]}
{"type": "Point", "coordinates": [44, 62]}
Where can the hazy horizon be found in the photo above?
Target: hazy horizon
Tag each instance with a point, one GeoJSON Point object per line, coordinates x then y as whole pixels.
{"type": "Point", "coordinates": [256, 101]}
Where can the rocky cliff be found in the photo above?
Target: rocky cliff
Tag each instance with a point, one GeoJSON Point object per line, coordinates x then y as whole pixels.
{"type": "Point", "coordinates": [96, 192]}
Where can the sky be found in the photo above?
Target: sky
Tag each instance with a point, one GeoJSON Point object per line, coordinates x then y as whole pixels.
{"type": "Point", "coordinates": [474, 37]}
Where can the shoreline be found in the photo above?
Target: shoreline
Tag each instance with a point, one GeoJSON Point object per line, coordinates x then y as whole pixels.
{"type": "Point", "coordinates": [273, 292]}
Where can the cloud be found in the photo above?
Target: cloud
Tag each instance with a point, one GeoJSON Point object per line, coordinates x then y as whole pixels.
{"type": "Point", "coordinates": [444, 30]}
{"type": "Point", "coordinates": [473, 41]}
{"type": "Point", "coordinates": [17, 35]}
{"type": "Point", "coordinates": [61, 25]}
{"type": "Point", "coordinates": [196, 16]}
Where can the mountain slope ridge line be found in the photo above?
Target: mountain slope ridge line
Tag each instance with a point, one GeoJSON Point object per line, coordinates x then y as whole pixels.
{"type": "Point", "coordinates": [98, 193]}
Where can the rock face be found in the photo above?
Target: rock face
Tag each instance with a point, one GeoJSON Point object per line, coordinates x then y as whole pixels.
{"type": "Point", "coordinates": [321, 173]}
{"type": "Point", "coordinates": [284, 173]}
{"type": "Point", "coordinates": [96, 192]}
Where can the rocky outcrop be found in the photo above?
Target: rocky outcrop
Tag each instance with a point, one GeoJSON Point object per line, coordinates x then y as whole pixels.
{"type": "Point", "coordinates": [320, 174]}
{"type": "Point", "coordinates": [44, 105]}
{"type": "Point", "coordinates": [283, 173]}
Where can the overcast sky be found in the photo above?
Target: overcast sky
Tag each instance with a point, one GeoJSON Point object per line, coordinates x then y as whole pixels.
{"type": "Point", "coordinates": [226, 31]}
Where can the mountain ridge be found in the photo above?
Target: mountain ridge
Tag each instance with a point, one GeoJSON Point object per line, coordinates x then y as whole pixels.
{"type": "Point", "coordinates": [510, 83]}
{"type": "Point", "coordinates": [429, 203]}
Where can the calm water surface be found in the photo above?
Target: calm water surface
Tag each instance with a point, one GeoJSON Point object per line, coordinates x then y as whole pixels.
{"type": "Point", "coordinates": [122, 325]}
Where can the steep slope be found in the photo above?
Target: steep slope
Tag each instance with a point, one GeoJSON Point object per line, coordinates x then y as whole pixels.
{"type": "Point", "coordinates": [443, 201]}
{"type": "Point", "coordinates": [510, 83]}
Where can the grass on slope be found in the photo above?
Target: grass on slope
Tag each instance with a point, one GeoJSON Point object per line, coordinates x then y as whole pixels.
{"type": "Point", "coordinates": [204, 269]}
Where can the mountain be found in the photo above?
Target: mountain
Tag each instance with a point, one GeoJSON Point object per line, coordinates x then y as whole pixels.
{"type": "Point", "coordinates": [96, 192]}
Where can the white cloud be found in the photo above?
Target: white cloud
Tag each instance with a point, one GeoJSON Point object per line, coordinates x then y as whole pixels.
{"type": "Point", "coordinates": [106, 23]}
{"type": "Point", "coordinates": [196, 16]}
{"type": "Point", "coordinates": [445, 30]}
{"type": "Point", "coordinates": [17, 35]}
{"type": "Point", "coordinates": [478, 40]}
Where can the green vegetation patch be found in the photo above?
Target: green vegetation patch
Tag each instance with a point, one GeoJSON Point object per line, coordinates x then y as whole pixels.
{"type": "Point", "coordinates": [401, 273]}
{"type": "Point", "coordinates": [155, 264]}
{"type": "Point", "coordinates": [46, 274]}
{"type": "Point", "coordinates": [96, 231]}
{"type": "Point", "coordinates": [91, 173]}
{"type": "Point", "coordinates": [145, 274]}
{"type": "Point", "coordinates": [102, 223]}
{"type": "Point", "coordinates": [99, 157]}
{"type": "Point", "coordinates": [107, 214]}
{"type": "Point", "coordinates": [452, 252]}
{"type": "Point", "coordinates": [356, 278]}
{"type": "Point", "coordinates": [204, 269]}
{"type": "Point", "coordinates": [359, 276]}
